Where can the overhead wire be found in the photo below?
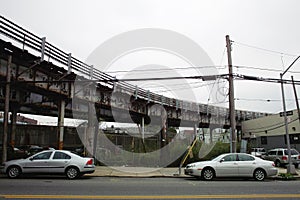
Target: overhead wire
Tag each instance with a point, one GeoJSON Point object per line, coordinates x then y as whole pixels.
{"type": "Point", "coordinates": [218, 85]}
{"type": "Point", "coordinates": [269, 127]}
{"type": "Point", "coordinates": [263, 69]}
{"type": "Point", "coordinates": [264, 49]}
{"type": "Point", "coordinates": [263, 100]}
{"type": "Point", "coordinates": [160, 70]}
{"type": "Point", "coordinates": [187, 86]}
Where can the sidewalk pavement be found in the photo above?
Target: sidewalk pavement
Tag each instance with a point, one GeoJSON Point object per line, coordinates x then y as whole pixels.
{"type": "Point", "coordinates": [123, 171]}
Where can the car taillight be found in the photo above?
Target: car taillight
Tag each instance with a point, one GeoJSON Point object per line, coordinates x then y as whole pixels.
{"type": "Point", "coordinates": [89, 162]}
{"type": "Point", "coordinates": [273, 164]}
{"type": "Point", "coordinates": [299, 157]}
{"type": "Point", "coordinates": [284, 158]}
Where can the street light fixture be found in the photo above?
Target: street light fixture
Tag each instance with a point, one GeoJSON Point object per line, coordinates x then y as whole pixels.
{"type": "Point", "coordinates": [290, 167]}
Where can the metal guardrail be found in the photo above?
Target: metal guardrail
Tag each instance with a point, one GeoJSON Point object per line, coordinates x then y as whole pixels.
{"type": "Point", "coordinates": [40, 45]}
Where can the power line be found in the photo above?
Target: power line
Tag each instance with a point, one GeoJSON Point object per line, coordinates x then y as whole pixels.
{"type": "Point", "coordinates": [204, 78]}
{"type": "Point", "coordinates": [264, 49]}
{"type": "Point", "coordinates": [262, 100]}
{"type": "Point", "coordinates": [186, 87]}
{"type": "Point", "coordinates": [262, 69]}
{"type": "Point", "coordinates": [160, 70]}
{"type": "Point", "coordinates": [269, 80]}
{"type": "Point", "coordinates": [270, 127]}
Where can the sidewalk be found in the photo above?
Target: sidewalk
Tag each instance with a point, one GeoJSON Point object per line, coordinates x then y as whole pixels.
{"type": "Point", "coordinates": [136, 172]}
{"type": "Point", "coordinates": [103, 171]}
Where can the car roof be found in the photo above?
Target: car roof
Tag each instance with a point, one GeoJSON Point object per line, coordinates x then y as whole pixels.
{"type": "Point", "coordinates": [55, 150]}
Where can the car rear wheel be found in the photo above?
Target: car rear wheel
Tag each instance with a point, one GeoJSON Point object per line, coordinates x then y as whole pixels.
{"type": "Point", "coordinates": [72, 172]}
{"type": "Point", "coordinates": [13, 172]}
{"type": "Point", "coordinates": [208, 174]}
{"type": "Point", "coordinates": [259, 175]}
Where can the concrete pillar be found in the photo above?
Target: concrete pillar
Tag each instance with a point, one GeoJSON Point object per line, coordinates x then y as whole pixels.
{"type": "Point", "coordinates": [164, 130]}
{"type": "Point", "coordinates": [163, 136]}
{"type": "Point", "coordinates": [6, 110]}
{"type": "Point", "coordinates": [210, 135]}
{"type": "Point", "coordinates": [195, 131]}
{"type": "Point", "coordinates": [143, 128]}
{"type": "Point", "coordinates": [91, 130]}
{"type": "Point", "coordinates": [61, 119]}
{"type": "Point", "coordinates": [13, 127]}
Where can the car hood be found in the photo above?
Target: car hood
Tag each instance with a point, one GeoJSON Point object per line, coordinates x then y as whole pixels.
{"type": "Point", "coordinates": [14, 161]}
{"type": "Point", "coordinates": [201, 163]}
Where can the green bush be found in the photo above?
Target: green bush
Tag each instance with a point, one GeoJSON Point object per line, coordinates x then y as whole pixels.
{"type": "Point", "coordinates": [287, 176]}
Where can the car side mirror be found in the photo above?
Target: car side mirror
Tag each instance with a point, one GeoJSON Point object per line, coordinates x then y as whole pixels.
{"type": "Point", "coordinates": [31, 159]}
{"type": "Point", "coordinates": [221, 160]}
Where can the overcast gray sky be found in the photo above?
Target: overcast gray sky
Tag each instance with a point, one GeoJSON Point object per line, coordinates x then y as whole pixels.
{"type": "Point", "coordinates": [81, 26]}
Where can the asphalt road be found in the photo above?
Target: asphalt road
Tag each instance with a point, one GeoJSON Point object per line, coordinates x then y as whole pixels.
{"type": "Point", "coordinates": [145, 188]}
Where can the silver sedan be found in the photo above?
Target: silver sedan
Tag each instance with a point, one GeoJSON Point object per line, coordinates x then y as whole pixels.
{"type": "Point", "coordinates": [50, 162]}
{"type": "Point", "coordinates": [233, 165]}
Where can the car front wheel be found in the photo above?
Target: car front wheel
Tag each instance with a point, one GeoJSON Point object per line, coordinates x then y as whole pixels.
{"type": "Point", "coordinates": [259, 175]}
{"type": "Point", "coordinates": [72, 172]}
{"type": "Point", "coordinates": [208, 174]}
{"type": "Point", "coordinates": [13, 172]}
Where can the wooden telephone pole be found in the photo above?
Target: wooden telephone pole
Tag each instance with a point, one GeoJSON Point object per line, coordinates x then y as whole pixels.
{"type": "Point", "coordinates": [231, 98]}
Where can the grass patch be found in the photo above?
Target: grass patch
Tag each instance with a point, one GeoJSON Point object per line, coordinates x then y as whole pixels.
{"type": "Point", "coordinates": [287, 176]}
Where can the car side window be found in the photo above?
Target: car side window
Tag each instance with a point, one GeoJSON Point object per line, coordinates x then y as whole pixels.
{"type": "Point", "coordinates": [42, 156]}
{"type": "Point", "coordinates": [229, 158]}
{"type": "Point", "coordinates": [272, 153]}
{"type": "Point", "coordinates": [245, 158]}
{"type": "Point", "coordinates": [280, 153]}
{"type": "Point", "coordinates": [61, 155]}
{"type": "Point", "coordinates": [294, 152]}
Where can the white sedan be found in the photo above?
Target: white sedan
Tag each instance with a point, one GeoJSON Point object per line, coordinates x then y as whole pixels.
{"type": "Point", "coordinates": [50, 162]}
{"type": "Point", "coordinates": [232, 165]}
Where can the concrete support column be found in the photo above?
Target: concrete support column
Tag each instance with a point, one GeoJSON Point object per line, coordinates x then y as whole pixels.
{"type": "Point", "coordinates": [61, 119]}
{"type": "Point", "coordinates": [163, 136]}
{"type": "Point", "coordinates": [143, 128]}
{"type": "Point", "coordinates": [13, 127]}
{"type": "Point", "coordinates": [164, 130]}
{"type": "Point", "coordinates": [91, 131]}
{"type": "Point", "coordinates": [195, 131]}
{"type": "Point", "coordinates": [6, 110]}
{"type": "Point", "coordinates": [210, 135]}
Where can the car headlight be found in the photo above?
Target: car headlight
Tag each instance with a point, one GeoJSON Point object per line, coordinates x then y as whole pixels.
{"type": "Point", "coordinates": [190, 166]}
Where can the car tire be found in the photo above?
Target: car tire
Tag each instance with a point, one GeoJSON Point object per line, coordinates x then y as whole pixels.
{"type": "Point", "coordinates": [208, 174]}
{"type": "Point", "coordinates": [259, 174]}
{"type": "Point", "coordinates": [14, 172]}
{"type": "Point", "coordinates": [72, 172]}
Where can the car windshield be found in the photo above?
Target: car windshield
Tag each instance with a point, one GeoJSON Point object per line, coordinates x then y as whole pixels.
{"type": "Point", "coordinates": [293, 152]}
{"type": "Point", "coordinates": [217, 158]}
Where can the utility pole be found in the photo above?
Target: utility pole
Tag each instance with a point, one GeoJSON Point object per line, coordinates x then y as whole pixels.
{"type": "Point", "coordinates": [231, 98]}
{"type": "Point", "coordinates": [296, 98]}
{"type": "Point", "coordinates": [290, 166]}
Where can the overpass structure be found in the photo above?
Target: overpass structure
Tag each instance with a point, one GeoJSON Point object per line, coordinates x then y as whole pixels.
{"type": "Point", "coordinates": [44, 80]}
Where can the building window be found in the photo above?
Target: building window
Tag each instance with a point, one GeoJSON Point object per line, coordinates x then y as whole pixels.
{"type": "Point", "coordinates": [264, 140]}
